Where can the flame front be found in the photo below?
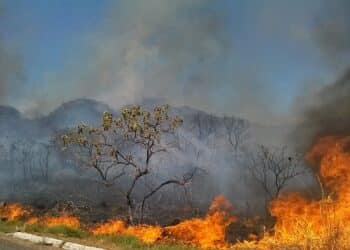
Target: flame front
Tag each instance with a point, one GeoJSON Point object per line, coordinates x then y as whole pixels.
{"type": "Point", "coordinates": [12, 212]}
{"type": "Point", "coordinates": [303, 220]}
{"type": "Point", "coordinates": [114, 226]}
{"type": "Point", "coordinates": [207, 232]}
{"type": "Point", "coordinates": [310, 224]}
{"type": "Point", "coordinates": [63, 220]}
{"type": "Point", "coordinates": [146, 233]}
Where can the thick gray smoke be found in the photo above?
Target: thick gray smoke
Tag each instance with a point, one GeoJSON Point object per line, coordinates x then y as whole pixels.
{"type": "Point", "coordinates": [10, 71]}
{"type": "Point", "coordinates": [332, 32]}
{"type": "Point", "coordinates": [10, 66]}
{"type": "Point", "coordinates": [143, 49]}
{"type": "Point", "coordinates": [328, 113]}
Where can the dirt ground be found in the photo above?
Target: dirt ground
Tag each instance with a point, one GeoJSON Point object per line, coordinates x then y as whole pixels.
{"type": "Point", "coordinates": [9, 243]}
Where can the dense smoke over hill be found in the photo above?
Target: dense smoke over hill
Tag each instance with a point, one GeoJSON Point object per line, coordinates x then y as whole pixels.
{"type": "Point", "coordinates": [184, 53]}
{"type": "Point", "coordinates": [28, 159]}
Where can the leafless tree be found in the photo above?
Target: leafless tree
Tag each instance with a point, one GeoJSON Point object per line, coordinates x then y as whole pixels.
{"type": "Point", "coordinates": [273, 169]}
{"type": "Point", "coordinates": [203, 125]}
{"type": "Point", "coordinates": [23, 151]}
{"type": "Point", "coordinates": [236, 131]}
{"type": "Point", "coordinates": [43, 159]}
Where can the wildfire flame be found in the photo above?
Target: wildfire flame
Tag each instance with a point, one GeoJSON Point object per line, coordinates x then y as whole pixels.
{"type": "Point", "coordinates": [62, 220]}
{"type": "Point", "coordinates": [324, 223]}
{"type": "Point", "coordinates": [210, 231]}
{"type": "Point", "coordinates": [146, 233]}
{"type": "Point", "coordinates": [299, 219]}
{"type": "Point", "coordinates": [207, 232]}
{"type": "Point", "coordinates": [12, 212]}
{"type": "Point", "coordinates": [32, 220]}
{"type": "Point", "coordinates": [114, 226]}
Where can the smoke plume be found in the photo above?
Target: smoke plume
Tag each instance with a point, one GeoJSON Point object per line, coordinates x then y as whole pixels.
{"type": "Point", "coordinates": [326, 111]}
{"type": "Point", "coordinates": [332, 32]}
{"type": "Point", "coordinates": [10, 66]}
{"type": "Point", "coordinates": [147, 49]}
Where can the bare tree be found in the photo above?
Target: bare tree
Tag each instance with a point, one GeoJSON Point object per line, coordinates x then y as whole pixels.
{"type": "Point", "coordinates": [203, 125]}
{"type": "Point", "coordinates": [125, 147]}
{"type": "Point", "coordinates": [273, 169]}
{"type": "Point", "coordinates": [23, 151]}
{"type": "Point", "coordinates": [43, 159]}
{"type": "Point", "coordinates": [236, 131]}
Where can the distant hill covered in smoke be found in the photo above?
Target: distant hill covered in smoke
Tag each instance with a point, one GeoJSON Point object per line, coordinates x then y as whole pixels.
{"type": "Point", "coordinates": [14, 124]}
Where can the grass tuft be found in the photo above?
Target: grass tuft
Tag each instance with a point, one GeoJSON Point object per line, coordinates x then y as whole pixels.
{"type": "Point", "coordinates": [126, 242]}
{"type": "Point", "coordinates": [66, 231]}
{"type": "Point", "coordinates": [35, 228]}
{"type": "Point", "coordinates": [56, 230]}
{"type": "Point", "coordinates": [10, 226]}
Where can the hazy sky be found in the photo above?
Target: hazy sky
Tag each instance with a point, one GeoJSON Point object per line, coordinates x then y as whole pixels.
{"type": "Point", "coordinates": [249, 58]}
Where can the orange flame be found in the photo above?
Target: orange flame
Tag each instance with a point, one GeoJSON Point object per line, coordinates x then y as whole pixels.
{"type": "Point", "coordinates": [114, 226]}
{"type": "Point", "coordinates": [12, 212]}
{"type": "Point", "coordinates": [32, 220]}
{"type": "Point", "coordinates": [300, 219]}
{"type": "Point", "coordinates": [63, 220]}
{"type": "Point", "coordinates": [208, 232]}
{"type": "Point", "coordinates": [146, 233]}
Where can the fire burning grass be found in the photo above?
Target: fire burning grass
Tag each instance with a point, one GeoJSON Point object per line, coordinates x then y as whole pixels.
{"type": "Point", "coordinates": [326, 221]}
{"type": "Point", "coordinates": [317, 224]}
{"type": "Point", "coordinates": [63, 220]}
{"type": "Point", "coordinates": [146, 233]}
{"type": "Point", "coordinates": [208, 232]}
{"type": "Point", "coordinates": [12, 212]}
{"type": "Point", "coordinates": [300, 223]}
